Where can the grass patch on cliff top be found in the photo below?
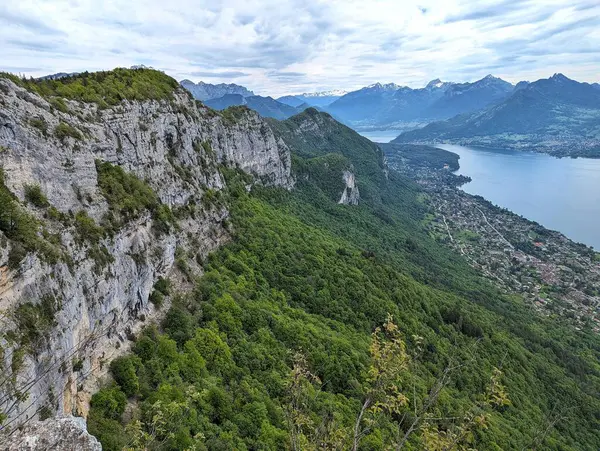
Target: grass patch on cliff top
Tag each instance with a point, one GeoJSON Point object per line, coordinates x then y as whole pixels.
{"type": "Point", "coordinates": [105, 88]}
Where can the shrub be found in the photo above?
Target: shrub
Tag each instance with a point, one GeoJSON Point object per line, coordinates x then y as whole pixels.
{"type": "Point", "coordinates": [16, 255]}
{"type": "Point", "coordinates": [35, 196]}
{"type": "Point", "coordinates": [101, 256]}
{"type": "Point", "coordinates": [87, 228]}
{"type": "Point", "coordinates": [59, 104]}
{"type": "Point", "coordinates": [110, 402]}
{"type": "Point", "coordinates": [163, 218]}
{"type": "Point", "coordinates": [45, 413]}
{"type": "Point", "coordinates": [21, 229]}
{"type": "Point", "coordinates": [34, 321]}
{"type": "Point", "coordinates": [64, 130]}
{"type": "Point", "coordinates": [162, 288]}
{"type": "Point", "coordinates": [157, 299]}
{"type": "Point", "coordinates": [163, 285]}
{"type": "Point", "coordinates": [77, 365]}
{"type": "Point", "coordinates": [39, 123]}
{"type": "Point", "coordinates": [123, 370]}
{"type": "Point", "coordinates": [234, 114]}
{"type": "Point", "coordinates": [126, 194]}
{"type": "Point", "coordinates": [128, 197]}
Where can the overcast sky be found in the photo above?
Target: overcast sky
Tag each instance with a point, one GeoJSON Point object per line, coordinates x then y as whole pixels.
{"type": "Point", "coordinates": [292, 46]}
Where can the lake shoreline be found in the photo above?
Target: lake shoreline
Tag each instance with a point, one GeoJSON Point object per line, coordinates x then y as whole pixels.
{"type": "Point", "coordinates": [562, 194]}
{"type": "Point", "coordinates": [554, 149]}
{"type": "Point", "coordinates": [558, 148]}
{"type": "Point", "coordinates": [551, 272]}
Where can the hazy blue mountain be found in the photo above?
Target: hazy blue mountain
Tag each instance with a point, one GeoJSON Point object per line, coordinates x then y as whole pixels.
{"type": "Point", "coordinates": [315, 99]}
{"type": "Point", "coordinates": [521, 85]}
{"type": "Point", "coordinates": [547, 114]}
{"type": "Point", "coordinates": [58, 76]}
{"type": "Point", "coordinates": [358, 106]}
{"type": "Point", "coordinates": [321, 99]}
{"type": "Point", "coordinates": [226, 101]}
{"type": "Point", "coordinates": [596, 85]}
{"type": "Point", "coordinates": [291, 101]}
{"type": "Point", "coordinates": [385, 105]}
{"type": "Point", "coordinates": [206, 91]}
{"type": "Point", "coordinates": [265, 106]}
{"type": "Point", "coordinates": [462, 98]}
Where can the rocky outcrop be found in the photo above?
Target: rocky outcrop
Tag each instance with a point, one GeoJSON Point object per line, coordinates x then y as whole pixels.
{"type": "Point", "coordinates": [350, 195]}
{"type": "Point", "coordinates": [178, 147]}
{"type": "Point", "coordinates": [65, 434]}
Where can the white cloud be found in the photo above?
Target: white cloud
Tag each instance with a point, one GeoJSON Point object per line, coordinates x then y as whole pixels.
{"type": "Point", "coordinates": [283, 46]}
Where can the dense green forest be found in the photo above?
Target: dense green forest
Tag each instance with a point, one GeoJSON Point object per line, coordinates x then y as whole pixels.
{"type": "Point", "coordinates": [316, 312]}
{"type": "Point", "coordinates": [104, 88]}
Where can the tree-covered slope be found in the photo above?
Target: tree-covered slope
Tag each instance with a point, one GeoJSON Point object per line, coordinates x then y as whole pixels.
{"type": "Point", "coordinates": [273, 349]}
{"type": "Point", "coordinates": [106, 88]}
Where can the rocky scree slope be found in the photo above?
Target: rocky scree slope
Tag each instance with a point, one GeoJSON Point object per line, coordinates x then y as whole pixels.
{"type": "Point", "coordinates": [98, 203]}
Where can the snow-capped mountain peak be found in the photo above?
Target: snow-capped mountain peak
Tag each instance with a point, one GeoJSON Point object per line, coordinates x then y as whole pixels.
{"type": "Point", "coordinates": [437, 84]}
{"type": "Point", "coordinates": [385, 87]}
{"type": "Point", "coordinates": [332, 93]}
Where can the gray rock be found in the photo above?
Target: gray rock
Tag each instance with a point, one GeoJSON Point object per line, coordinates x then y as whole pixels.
{"type": "Point", "coordinates": [64, 434]}
{"type": "Point", "coordinates": [350, 195]}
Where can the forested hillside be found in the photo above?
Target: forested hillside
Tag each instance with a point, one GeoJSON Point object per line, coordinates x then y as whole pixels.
{"type": "Point", "coordinates": [327, 326]}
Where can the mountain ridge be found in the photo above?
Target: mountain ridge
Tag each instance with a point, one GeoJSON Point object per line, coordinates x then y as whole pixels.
{"type": "Point", "coordinates": [556, 115]}
{"type": "Point", "coordinates": [385, 105]}
{"type": "Point", "coordinates": [206, 91]}
{"type": "Point", "coordinates": [265, 106]}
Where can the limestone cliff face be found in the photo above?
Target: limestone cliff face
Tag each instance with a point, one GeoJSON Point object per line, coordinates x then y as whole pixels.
{"type": "Point", "coordinates": [177, 147]}
{"type": "Point", "coordinates": [66, 434]}
{"type": "Point", "coordinates": [350, 195]}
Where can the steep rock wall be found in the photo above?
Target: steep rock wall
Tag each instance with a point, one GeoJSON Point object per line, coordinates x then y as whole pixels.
{"type": "Point", "coordinates": [177, 146]}
{"type": "Point", "coordinates": [350, 195]}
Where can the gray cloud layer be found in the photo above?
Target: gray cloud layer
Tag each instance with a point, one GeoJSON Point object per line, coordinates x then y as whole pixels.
{"type": "Point", "coordinates": [283, 46]}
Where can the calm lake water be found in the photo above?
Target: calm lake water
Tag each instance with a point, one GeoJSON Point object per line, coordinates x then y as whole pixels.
{"type": "Point", "coordinates": [559, 193]}
{"type": "Point", "coordinates": [381, 136]}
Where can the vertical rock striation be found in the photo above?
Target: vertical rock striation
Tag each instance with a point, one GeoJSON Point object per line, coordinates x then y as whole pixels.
{"type": "Point", "coordinates": [350, 195]}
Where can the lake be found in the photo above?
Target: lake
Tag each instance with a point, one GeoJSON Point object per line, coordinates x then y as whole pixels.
{"type": "Point", "coordinates": [380, 136]}
{"type": "Point", "coordinates": [559, 193]}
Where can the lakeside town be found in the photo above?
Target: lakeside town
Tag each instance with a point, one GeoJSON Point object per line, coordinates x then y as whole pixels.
{"type": "Point", "coordinates": [554, 274]}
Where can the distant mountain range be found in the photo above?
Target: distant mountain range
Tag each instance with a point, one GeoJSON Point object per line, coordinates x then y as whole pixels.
{"type": "Point", "coordinates": [265, 106]}
{"type": "Point", "coordinates": [384, 105]}
{"type": "Point", "coordinates": [206, 91]}
{"type": "Point", "coordinates": [316, 99]}
{"type": "Point", "coordinates": [58, 76]}
{"type": "Point", "coordinates": [555, 115]}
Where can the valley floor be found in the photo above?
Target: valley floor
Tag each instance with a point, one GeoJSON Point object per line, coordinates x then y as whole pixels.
{"type": "Point", "coordinates": [554, 274]}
